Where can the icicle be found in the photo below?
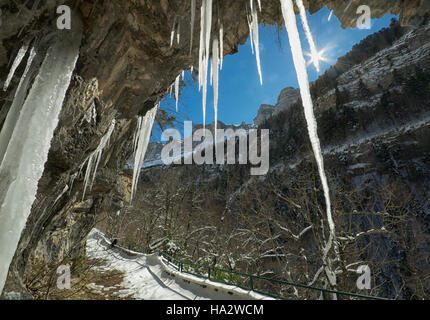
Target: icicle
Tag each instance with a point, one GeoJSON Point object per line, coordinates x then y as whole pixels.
{"type": "Point", "coordinates": [96, 156]}
{"type": "Point", "coordinates": [16, 106]}
{"type": "Point", "coordinates": [177, 91]}
{"type": "Point", "coordinates": [27, 68]}
{"type": "Point", "coordinates": [193, 18]}
{"type": "Point", "coordinates": [183, 74]}
{"type": "Point", "coordinates": [178, 32]}
{"type": "Point", "coordinates": [255, 38]}
{"type": "Point", "coordinates": [24, 161]}
{"type": "Point", "coordinates": [259, 4]}
{"type": "Point", "coordinates": [302, 75]}
{"type": "Point", "coordinates": [215, 68]}
{"type": "Point", "coordinates": [211, 75]}
{"type": "Point", "coordinates": [221, 43]}
{"type": "Point", "coordinates": [313, 47]}
{"type": "Point", "coordinates": [143, 133]}
{"type": "Point", "coordinates": [192, 69]}
{"type": "Point", "coordinates": [201, 45]}
{"type": "Point", "coordinates": [172, 34]}
{"type": "Point", "coordinates": [171, 89]}
{"type": "Point", "coordinates": [250, 34]}
{"type": "Point", "coordinates": [136, 134]}
{"type": "Point", "coordinates": [205, 34]}
{"type": "Point", "coordinates": [21, 54]}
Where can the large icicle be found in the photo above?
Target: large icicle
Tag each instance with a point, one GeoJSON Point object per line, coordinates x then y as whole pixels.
{"type": "Point", "coordinates": [27, 151]}
{"type": "Point", "coordinates": [302, 75]}
{"type": "Point", "coordinates": [21, 54]}
{"type": "Point", "coordinates": [215, 68]}
{"type": "Point", "coordinates": [253, 25]}
{"type": "Point", "coordinates": [143, 133]}
{"type": "Point", "coordinates": [95, 157]}
{"type": "Point", "coordinates": [193, 19]}
{"type": "Point", "coordinates": [312, 46]}
{"type": "Point", "coordinates": [204, 53]}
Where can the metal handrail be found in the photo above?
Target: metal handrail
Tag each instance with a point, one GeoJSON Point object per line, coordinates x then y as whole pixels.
{"type": "Point", "coordinates": [180, 267]}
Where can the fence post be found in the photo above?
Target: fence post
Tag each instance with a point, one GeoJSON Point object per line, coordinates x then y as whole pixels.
{"type": "Point", "coordinates": [209, 273]}
{"type": "Point", "coordinates": [251, 282]}
{"type": "Point", "coordinates": [180, 266]}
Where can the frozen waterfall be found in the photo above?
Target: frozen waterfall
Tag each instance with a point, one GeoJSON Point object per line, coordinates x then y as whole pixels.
{"type": "Point", "coordinates": [26, 140]}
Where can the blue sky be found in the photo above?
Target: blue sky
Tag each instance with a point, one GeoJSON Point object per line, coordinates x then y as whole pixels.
{"type": "Point", "coordinates": [240, 92]}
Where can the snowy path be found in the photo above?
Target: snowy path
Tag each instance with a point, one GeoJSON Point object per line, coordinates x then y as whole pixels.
{"type": "Point", "coordinates": [145, 276]}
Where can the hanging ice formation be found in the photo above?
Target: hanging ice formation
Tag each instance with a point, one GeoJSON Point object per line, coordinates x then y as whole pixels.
{"type": "Point", "coordinates": [172, 34]}
{"type": "Point", "coordinates": [141, 140]}
{"type": "Point", "coordinates": [221, 44]}
{"type": "Point", "coordinates": [178, 32]}
{"type": "Point", "coordinates": [21, 54]}
{"type": "Point", "coordinates": [94, 158]}
{"type": "Point", "coordinates": [15, 109]}
{"type": "Point", "coordinates": [254, 34]}
{"type": "Point", "coordinates": [193, 19]}
{"type": "Point", "coordinates": [205, 34]}
{"type": "Point", "coordinates": [302, 75]}
{"type": "Point", "coordinates": [215, 68]}
{"type": "Point", "coordinates": [28, 140]}
{"type": "Point", "coordinates": [312, 46]}
{"type": "Point", "coordinates": [178, 78]}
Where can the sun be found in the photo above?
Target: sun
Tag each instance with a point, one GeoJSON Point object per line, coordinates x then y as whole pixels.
{"type": "Point", "coordinates": [318, 57]}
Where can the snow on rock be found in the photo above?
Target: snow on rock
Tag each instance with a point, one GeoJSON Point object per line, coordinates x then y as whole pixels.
{"type": "Point", "coordinates": [147, 277]}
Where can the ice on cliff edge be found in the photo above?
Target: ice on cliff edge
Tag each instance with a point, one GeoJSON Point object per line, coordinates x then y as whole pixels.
{"type": "Point", "coordinates": [28, 144]}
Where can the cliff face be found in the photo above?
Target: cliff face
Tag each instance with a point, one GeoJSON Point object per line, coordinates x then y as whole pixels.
{"type": "Point", "coordinates": [126, 65]}
{"type": "Point", "coordinates": [286, 98]}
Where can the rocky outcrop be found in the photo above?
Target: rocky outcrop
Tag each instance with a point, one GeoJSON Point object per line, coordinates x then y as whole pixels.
{"type": "Point", "coordinates": [286, 98]}
{"type": "Point", "coordinates": [126, 65]}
